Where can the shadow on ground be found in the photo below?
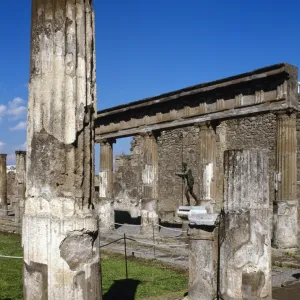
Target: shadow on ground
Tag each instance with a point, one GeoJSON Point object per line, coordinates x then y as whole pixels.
{"type": "Point", "coordinates": [122, 290]}
{"type": "Point", "coordinates": [291, 291]}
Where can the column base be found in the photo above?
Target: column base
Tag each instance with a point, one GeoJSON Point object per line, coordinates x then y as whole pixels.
{"type": "Point", "coordinates": [61, 251]}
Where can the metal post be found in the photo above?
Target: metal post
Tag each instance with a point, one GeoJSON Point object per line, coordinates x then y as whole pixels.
{"type": "Point", "coordinates": [125, 256]}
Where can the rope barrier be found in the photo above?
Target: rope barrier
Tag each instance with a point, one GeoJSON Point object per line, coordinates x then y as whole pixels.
{"type": "Point", "coordinates": [127, 224]}
{"type": "Point", "coordinates": [161, 245]}
{"type": "Point", "coordinates": [172, 229]}
{"type": "Point", "coordinates": [7, 256]}
{"type": "Point", "coordinates": [111, 242]}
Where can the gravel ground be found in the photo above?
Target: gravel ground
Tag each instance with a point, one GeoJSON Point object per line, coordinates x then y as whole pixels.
{"type": "Point", "coordinates": [175, 255]}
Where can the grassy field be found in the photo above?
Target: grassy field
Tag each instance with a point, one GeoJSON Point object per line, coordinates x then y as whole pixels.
{"type": "Point", "coordinates": [148, 279]}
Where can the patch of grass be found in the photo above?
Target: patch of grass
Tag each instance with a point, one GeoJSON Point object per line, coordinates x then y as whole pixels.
{"type": "Point", "coordinates": [10, 269]}
{"type": "Point", "coordinates": [155, 278]}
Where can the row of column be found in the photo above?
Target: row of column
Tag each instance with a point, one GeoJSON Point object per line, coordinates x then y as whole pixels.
{"type": "Point", "coordinates": [18, 205]}
{"type": "Point", "coordinates": [285, 206]}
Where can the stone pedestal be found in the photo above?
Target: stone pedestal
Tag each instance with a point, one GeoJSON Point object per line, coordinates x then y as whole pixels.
{"type": "Point", "coordinates": [286, 205]}
{"type": "Point", "coordinates": [245, 244]}
{"type": "Point", "coordinates": [149, 216]}
{"type": "Point", "coordinates": [106, 215]}
{"type": "Point", "coordinates": [203, 262]}
{"type": "Point", "coordinates": [20, 184]}
{"type": "Point", "coordinates": [207, 161]}
{"type": "Point", "coordinates": [60, 225]}
{"type": "Point", "coordinates": [106, 169]}
{"type": "Point", "coordinates": [3, 185]}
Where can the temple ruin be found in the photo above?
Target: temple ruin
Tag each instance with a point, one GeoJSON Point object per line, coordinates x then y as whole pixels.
{"type": "Point", "coordinates": [196, 125]}
{"type": "Point", "coordinates": [228, 146]}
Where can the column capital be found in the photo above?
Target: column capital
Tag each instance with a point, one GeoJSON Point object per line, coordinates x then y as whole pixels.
{"type": "Point", "coordinates": [110, 141]}
{"type": "Point", "coordinates": [288, 113]}
{"type": "Point", "coordinates": [19, 152]}
{"type": "Point", "coordinates": [3, 156]}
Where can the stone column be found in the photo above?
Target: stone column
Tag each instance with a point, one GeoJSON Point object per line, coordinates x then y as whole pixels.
{"type": "Point", "coordinates": [203, 262]}
{"type": "Point", "coordinates": [245, 243]}
{"type": "Point", "coordinates": [20, 184]}
{"type": "Point", "coordinates": [106, 209]}
{"type": "Point", "coordinates": [207, 161]}
{"type": "Point", "coordinates": [286, 205]}
{"type": "Point", "coordinates": [106, 169]}
{"type": "Point", "coordinates": [149, 216]}
{"type": "Point", "coordinates": [60, 225]}
{"type": "Point", "coordinates": [3, 185]}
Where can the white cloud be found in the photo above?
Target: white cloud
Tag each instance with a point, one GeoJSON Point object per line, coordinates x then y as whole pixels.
{"type": "Point", "coordinates": [2, 145]}
{"type": "Point", "coordinates": [20, 126]}
{"type": "Point", "coordinates": [2, 110]}
{"type": "Point", "coordinates": [17, 108]}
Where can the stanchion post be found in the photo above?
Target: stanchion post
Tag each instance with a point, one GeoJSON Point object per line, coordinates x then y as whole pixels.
{"type": "Point", "coordinates": [125, 256]}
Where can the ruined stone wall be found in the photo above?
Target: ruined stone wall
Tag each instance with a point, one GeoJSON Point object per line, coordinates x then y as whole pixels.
{"type": "Point", "coordinates": [128, 178]}
{"type": "Point", "coordinates": [298, 163]}
{"type": "Point", "coordinates": [183, 144]}
{"type": "Point", "coordinates": [174, 147]}
{"type": "Point", "coordinates": [257, 131]}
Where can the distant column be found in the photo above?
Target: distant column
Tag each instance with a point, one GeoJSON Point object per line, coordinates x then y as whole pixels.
{"type": "Point", "coordinates": [20, 184]}
{"type": "Point", "coordinates": [245, 242]}
{"type": "Point", "coordinates": [106, 205]}
{"type": "Point", "coordinates": [3, 185]}
{"type": "Point", "coordinates": [149, 215]}
{"type": "Point", "coordinates": [207, 151]}
{"type": "Point", "coordinates": [286, 205]}
{"type": "Point", "coordinates": [106, 169]}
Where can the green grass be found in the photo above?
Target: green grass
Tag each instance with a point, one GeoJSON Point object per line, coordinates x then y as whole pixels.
{"type": "Point", "coordinates": [155, 278]}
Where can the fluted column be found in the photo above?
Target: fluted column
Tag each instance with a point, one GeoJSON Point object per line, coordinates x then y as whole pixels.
{"type": "Point", "coordinates": [60, 226]}
{"type": "Point", "coordinates": [3, 185]}
{"type": "Point", "coordinates": [207, 161]}
{"type": "Point", "coordinates": [106, 205]}
{"type": "Point", "coordinates": [106, 169]}
{"type": "Point", "coordinates": [20, 184]}
{"type": "Point", "coordinates": [286, 205]}
{"type": "Point", "coordinates": [245, 242]}
{"type": "Point", "coordinates": [149, 215]}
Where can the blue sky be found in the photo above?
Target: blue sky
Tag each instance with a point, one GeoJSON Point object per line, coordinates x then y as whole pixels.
{"type": "Point", "coordinates": [146, 48]}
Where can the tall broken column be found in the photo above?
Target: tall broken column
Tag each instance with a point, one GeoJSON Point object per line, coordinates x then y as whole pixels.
{"type": "Point", "coordinates": [149, 216]}
{"type": "Point", "coordinates": [20, 184]}
{"type": "Point", "coordinates": [245, 242]}
{"type": "Point", "coordinates": [3, 185]}
{"type": "Point", "coordinates": [286, 205]}
{"type": "Point", "coordinates": [106, 205]}
{"type": "Point", "coordinates": [207, 154]}
{"type": "Point", "coordinates": [60, 226]}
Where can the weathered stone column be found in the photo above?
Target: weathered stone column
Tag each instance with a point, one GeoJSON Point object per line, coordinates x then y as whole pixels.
{"type": "Point", "coordinates": [106, 209]}
{"type": "Point", "coordinates": [203, 262]}
{"type": "Point", "coordinates": [149, 216]}
{"type": "Point", "coordinates": [20, 184]}
{"type": "Point", "coordinates": [106, 169]}
{"type": "Point", "coordinates": [3, 185]}
{"type": "Point", "coordinates": [286, 205]}
{"type": "Point", "coordinates": [245, 243]}
{"type": "Point", "coordinates": [207, 155]}
{"type": "Point", "coordinates": [60, 226]}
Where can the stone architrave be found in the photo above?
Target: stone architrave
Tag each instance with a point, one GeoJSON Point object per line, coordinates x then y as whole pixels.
{"type": "Point", "coordinates": [20, 184]}
{"type": "Point", "coordinates": [286, 204]}
{"type": "Point", "coordinates": [149, 216]}
{"type": "Point", "coordinates": [60, 225]}
{"type": "Point", "coordinates": [3, 185]}
{"type": "Point", "coordinates": [245, 242]}
{"type": "Point", "coordinates": [207, 161]}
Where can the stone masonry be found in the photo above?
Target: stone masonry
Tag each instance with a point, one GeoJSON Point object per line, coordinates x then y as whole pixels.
{"type": "Point", "coordinates": [60, 225]}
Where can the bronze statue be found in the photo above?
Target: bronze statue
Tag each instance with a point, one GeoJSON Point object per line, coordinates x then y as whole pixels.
{"type": "Point", "coordinates": [187, 176]}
